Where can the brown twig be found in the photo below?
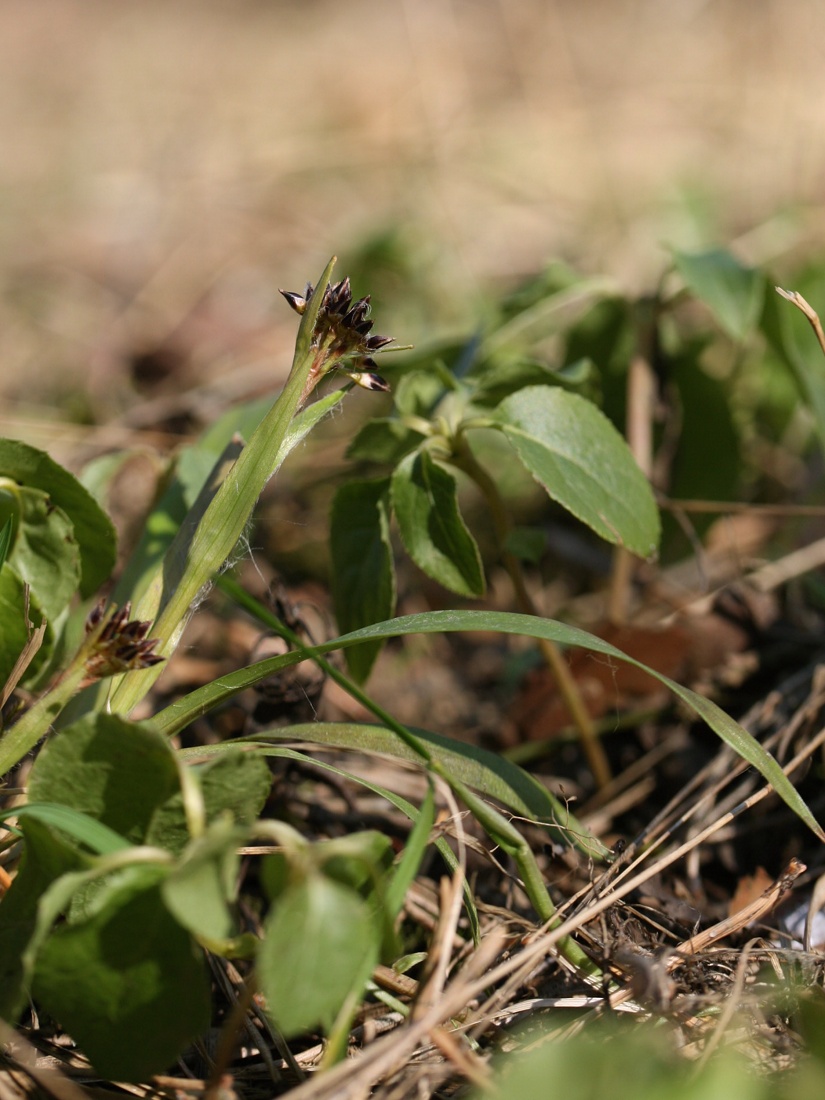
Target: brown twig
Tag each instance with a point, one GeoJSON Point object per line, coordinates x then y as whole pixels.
{"type": "Point", "coordinates": [796, 298]}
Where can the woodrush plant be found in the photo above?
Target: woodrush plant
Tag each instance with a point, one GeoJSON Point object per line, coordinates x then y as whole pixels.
{"type": "Point", "coordinates": [130, 849]}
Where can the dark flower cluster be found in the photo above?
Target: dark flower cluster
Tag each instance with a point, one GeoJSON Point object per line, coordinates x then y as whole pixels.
{"type": "Point", "coordinates": [121, 646]}
{"type": "Point", "coordinates": [342, 333]}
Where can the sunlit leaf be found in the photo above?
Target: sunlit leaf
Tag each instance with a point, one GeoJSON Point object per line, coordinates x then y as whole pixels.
{"type": "Point", "coordinates": [425, 502]}
{"type": "Point", "coordinates": [576, 454]}
{"type": "Point", "coordinates": [733, 292]}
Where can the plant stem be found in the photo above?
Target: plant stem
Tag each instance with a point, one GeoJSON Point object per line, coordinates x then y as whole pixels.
{"type": "Point", "coordinates": [465, 460]}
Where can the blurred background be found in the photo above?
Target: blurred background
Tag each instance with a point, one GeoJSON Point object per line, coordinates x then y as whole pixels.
{"type": "Point", "coordinates": [165, 165]}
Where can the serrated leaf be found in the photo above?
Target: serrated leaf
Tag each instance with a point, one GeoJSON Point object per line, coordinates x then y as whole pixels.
{"type": "Point", "coordinates": [425, 502]}
{"type": "Point", "coordinates": [320, 943]}
{"type": "Point", "coordinates": [363, 574]}
{"type": "Point", "coordinates": [734, 293]}
{"type": "Point", "coordinates": [575, 453]}
{"type": "Point", "coordinates": [92, 528]}
{"type": "Point", "coordinates": [127, 983]}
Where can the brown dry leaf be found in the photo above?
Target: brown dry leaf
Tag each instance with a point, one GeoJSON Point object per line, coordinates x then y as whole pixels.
{"type": "Point", "coordinates": [605, 684]}
{"type": "Point", "coordinates": [748, 889]}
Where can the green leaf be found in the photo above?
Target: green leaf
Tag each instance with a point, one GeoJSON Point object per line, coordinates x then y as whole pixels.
{"type": "Point", "coordinates": [734, 293]}
{"type": "Point", "coordinates": [425, 502]}
{"type": "Point", "coordinates": [120, 773]}
{"type": "Point", "coordinates": [498, 379]}
{"type": "Point", "coordinates": [15, 634]}
{"type": "Point", "coordinates": [92, 528]}
{"type": "Point", "coordinates": [624, 1061]}
{"type": "Point", "coordinates": [410, 862]}
{"type": "Point", "coordinates": [383, 439]}
{"type": "Point", "coordinates": [6, 533]}
{"type": "Point", "coordinates": [320, 944]}
{"type": "Point", "coordinates": [550, 313]}
{"type": "Point", "coordinates": [201, 887]}
{"type": "Point", "coordinates": [179, 715]}
{"type": "Point", "coordinates": [211, 530]}
{"type": "Point", "coordinates": [99, 838]}
{"type": "Point", "coordinates": [363, 575]}
{"type": "Point", "coordinates": [47, 855]}
{"type": "Point", "coordinates": [234, 785]}
{"type": "Point", "coordinates": [127, 983]}
{"type": "Point", "coordinates": [492, 775]}
{"type": "Point", "coordinates": [576, 454]}
{"type": "Point", "coordinates": [45, 552]}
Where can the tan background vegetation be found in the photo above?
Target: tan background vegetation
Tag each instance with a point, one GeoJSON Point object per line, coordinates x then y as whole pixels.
{"type": "Point", "coordinates": [167, 164]}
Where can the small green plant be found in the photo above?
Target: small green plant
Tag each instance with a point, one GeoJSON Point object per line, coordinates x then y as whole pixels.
{"type": "Point", "coordinates": [129, 869]}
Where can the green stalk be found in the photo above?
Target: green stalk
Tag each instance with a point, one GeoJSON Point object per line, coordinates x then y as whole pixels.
{"type": "Point", "coordinates": [204, 543]}
{"type": "Point", "coordinates": [37, 721]}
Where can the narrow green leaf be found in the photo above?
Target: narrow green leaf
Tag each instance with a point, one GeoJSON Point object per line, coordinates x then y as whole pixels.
{"type": "Point", "coordinates": [177, 716]}
{"type": "Point", "coordinates": [209, 535]}
{"type": "Point", "coordinates": [320, 941]}
{"type": "Point", "coordinates": [363, 575]}
{"type": "Point", "coordinates": [92, 528]}
{"type": "Point", "coordinates": [575, 453]}
{"type": "Point", "coordinates": [487, 772]}
{"type": "Point", "coordinates": [96, 836]}
{"type": "Point", "coordinates": [414, 850]}
{"type": "Point", "coordinates": [734, 293]}
{"type": "Point", "coordinates": [425, 502]}
{"type": "Point", "coordinates": [128, 983]}
{"type": "Point", "coordinates": [6, 533]}
{"type": "Point", "coordinates": [548, 314]}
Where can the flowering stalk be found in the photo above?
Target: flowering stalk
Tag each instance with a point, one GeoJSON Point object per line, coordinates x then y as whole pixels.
{"type": "Point", "coordinates": [114, 643]}
{"type": "Point", "coordinates": [341, 337]}
{"type": "Point", "coordinates": [333, 335]}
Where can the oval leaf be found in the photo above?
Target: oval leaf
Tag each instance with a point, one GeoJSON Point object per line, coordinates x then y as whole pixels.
{"type": "Point", "coordinates": [734, 293]}
{"type": "Point", "coordinates": [425, 501]}
{"type": "Point", "coordinates": [576, 454]}
{"type": "Point", "coordinates": [320, 943]}
{"type": "Point", "coordinates": [128, 983]}
{"type": "Point", "coordinates": [45, 552]}
{"type": "Point", "coordinates": [93, 529]}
